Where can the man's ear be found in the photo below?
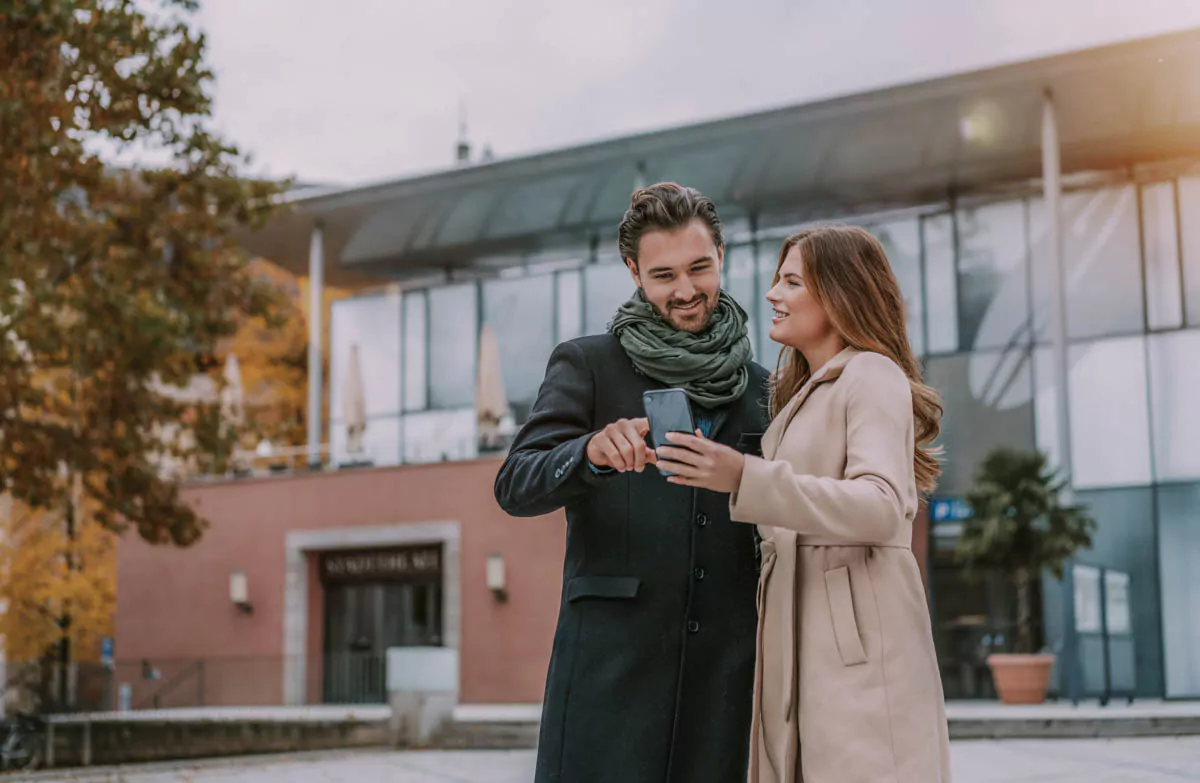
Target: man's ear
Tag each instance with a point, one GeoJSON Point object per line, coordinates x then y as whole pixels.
{"type": "Point", "coordinates": [720, 258]}
{"type": "Point", "coordinates": [633, 272]}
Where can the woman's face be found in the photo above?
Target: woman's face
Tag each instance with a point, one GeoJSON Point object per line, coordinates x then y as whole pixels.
{"type": "Point", "coordinates": [799, 320]}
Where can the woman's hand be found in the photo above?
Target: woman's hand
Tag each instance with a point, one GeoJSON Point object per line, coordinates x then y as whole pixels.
{"type": "Point", "coordinates": [697, 461]}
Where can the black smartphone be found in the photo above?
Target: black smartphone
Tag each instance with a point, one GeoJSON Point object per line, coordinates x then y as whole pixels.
{"type": "Point", "coordinates": [668, 411]}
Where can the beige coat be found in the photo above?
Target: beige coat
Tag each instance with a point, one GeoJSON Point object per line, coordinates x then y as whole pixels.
{"type": "Point", "coordinates": [847, 688]}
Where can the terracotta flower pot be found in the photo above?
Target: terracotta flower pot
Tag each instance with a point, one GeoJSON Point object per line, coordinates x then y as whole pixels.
{"type": "Point", "coordinates": [1021, 679]}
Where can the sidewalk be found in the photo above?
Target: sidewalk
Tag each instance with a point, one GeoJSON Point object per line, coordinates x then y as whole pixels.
{"type": "Point", "coordinates": [1151, 760]}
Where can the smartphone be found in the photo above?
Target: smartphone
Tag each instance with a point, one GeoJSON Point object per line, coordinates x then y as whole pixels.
{"type": "Point", "coordinates": [668, 411]}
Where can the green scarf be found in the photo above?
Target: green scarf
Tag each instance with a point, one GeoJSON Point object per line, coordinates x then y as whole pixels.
{"type": "Point", "coordinates": [710, 365]}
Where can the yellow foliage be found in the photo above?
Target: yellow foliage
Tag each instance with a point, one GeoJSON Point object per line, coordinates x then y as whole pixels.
{"type": "Point", "coordinates": [38, 587]}
{"type": "Point", "coordinates": [274, 360]}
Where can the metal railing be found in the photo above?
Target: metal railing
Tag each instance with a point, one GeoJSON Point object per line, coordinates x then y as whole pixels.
{"type": "Point", "coordinates": [169, 683]}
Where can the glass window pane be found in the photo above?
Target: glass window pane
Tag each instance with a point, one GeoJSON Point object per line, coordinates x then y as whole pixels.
{"type": "Point", "coordinates": [605, 288]}
{"type": "Point", "coordinates": [440, 436]}
{"type": "Point", "coordinates": [742, 285]}
{"type": "Point", "coordinates": [1164, 295]}
{"type": "Point", "coordinates": [1189, 229]}
{"type": "Point", "coordinates": [993, 288]}
{"type": "Point", "coordinates": [372, 323]}
{"type": "Point", "coordinates": [901, 240]}
{"type": "Point", "coordinates": [521, 312]}
{"type": "Point", "coordinates": [1103, 272]}
{"type": "Point", "coordinates": [381, 442]}
{"type": "Point", "coordinates": [453, 334]}
{"type": "Point", "coordinates": [1124, 541]}
{"type": "Point", "coordinates": [1174, 379]}
{"type": "Point", "coordinates": [1110, 425]}
{"type": "Point", "coordinates": [987, 402]}
{"type": "Point", "coordinates": [569, 320]}
{"type": "Point", "coordinates": [941, 284]}
{"type": "Point", "coordinates": [415, 383]}
{"type": "Point", "coordinates": [1179, 551]}
{"type": "Point", "coordinates": [767, 353]}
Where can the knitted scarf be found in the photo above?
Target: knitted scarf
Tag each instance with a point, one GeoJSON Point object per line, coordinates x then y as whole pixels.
{"type": "Point", "coordinates": [710, 366]}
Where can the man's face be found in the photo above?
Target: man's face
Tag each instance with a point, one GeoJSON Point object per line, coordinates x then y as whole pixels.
{"type": "Point", "coordinates": [679, 273]}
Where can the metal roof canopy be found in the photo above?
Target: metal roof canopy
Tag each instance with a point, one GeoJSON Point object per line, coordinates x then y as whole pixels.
{"type": "Point", "coordinates": [1118, 105]}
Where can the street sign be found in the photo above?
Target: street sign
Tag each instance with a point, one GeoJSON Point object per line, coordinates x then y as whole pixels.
{"type": "Point", "coordinates": [949, 509]}
{"type": "Point", "coordinates": [106, 651]}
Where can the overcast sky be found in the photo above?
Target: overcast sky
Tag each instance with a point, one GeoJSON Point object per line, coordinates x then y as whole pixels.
{"type": "Point", "coordinates": [364, 90]}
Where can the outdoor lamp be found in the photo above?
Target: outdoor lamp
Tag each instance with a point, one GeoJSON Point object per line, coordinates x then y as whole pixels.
{"type": "Point", "coordinates": [239, 592]}
{"type": "Point", "coordinates": [496, 580]}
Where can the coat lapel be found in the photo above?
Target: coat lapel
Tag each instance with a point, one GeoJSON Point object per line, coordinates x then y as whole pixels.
{"type": "Point", "coordinates": [830, 372]}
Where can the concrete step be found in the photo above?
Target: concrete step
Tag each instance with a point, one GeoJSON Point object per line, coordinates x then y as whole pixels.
{"type": "Point", "coordinates": [496, 728]}
{"type": "Point", "coordinates": [489, 735]}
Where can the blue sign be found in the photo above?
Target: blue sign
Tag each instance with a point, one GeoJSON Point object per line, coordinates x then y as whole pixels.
{"type": "Point", "coordinates": [106, 650]}
{"type": "Point", "coordinates": [948, 510]}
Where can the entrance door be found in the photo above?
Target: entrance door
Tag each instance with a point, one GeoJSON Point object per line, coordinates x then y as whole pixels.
{"type": "Point", "coordinates": [362, 621]}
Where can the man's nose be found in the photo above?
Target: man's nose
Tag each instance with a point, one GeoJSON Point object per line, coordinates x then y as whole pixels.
{"type": "Point", "coordinates": [685, 292]}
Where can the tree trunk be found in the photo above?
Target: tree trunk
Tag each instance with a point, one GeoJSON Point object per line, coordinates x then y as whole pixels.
{"type": "Point", "coordinates": [64, 644]}
{"type": "Point", "coordinates": [1024, 611]}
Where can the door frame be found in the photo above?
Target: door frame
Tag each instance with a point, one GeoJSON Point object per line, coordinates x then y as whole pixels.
{"type": "Point", "coordinates": [301, 545]}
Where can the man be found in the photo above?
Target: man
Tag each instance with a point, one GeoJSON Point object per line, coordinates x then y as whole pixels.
{"type": "Point", "coordinates": [652, 668]}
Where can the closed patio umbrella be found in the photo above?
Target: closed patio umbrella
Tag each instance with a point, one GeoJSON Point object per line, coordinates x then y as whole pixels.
{"type": "Point", "coordinates": [491, 401]}
{"type": "Point", "coordinates": [354, 405]}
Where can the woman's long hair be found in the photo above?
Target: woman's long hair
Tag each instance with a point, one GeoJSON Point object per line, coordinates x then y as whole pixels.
{"type": "Point", "coordinates": [847, 272]}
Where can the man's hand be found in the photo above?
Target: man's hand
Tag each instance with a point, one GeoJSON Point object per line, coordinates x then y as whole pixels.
{"type": "Point", "coordinates": [622, 446]}
{"type": "Point", "coordinates": [697, 461]}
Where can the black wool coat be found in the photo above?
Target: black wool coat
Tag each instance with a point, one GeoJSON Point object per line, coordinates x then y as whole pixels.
{"type": "Point", "coordinates": [651, 673]}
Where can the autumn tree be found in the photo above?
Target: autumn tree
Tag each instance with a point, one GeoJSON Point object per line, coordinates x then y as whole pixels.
{"type": "Point", "coordinates": [273, 356]}
{"type": "Point", "coordinates": [38, 582]}
{"type": "Point", "coordinates": [116, 282]}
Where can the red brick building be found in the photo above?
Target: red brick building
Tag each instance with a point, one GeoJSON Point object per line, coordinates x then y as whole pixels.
{"type": "Point", "coordinates": [175, 610]}
{"type": "Point", "coordinates": [174, 606]}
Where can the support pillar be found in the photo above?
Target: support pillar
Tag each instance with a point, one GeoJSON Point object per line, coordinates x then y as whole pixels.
{"type": "Point", "coordinates": [1052, 191]}
{"type": "Point", "coordinates": [316, 301]}
{"type": "Point", "coordinates": [1068, 665]}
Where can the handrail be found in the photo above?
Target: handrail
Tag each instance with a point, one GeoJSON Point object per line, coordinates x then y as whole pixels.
{"type": "Point", "coordinates": [169, 687]}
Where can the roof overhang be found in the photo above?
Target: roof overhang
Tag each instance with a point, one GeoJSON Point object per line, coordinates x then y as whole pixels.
{"type": "Point", "coordinates": [1117, 106]}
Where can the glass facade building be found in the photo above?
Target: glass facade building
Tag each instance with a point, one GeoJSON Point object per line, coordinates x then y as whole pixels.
{"type": "Point", "coordinates": [975, 280]}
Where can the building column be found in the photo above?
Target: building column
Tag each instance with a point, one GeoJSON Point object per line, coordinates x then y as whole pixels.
{"type": "Point", "coordinates": [316, 302]}
{"type": "Point", "coordinates": [1052, 191]}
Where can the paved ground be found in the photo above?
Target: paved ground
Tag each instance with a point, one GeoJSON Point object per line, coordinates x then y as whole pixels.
{"type": "Point", "coordinates": [1165, 760]}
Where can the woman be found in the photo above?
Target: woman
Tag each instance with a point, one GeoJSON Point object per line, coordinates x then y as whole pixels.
{"type": "Point", "coordinates": [847, 688]}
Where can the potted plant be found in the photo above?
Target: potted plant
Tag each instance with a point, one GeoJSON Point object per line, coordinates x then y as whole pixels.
{"type": "Point", "coordinates": [1019, 526]}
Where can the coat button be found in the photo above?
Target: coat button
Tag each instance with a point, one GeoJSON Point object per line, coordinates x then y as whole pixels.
{"type": "Point", "coordinates": [693, 626]}
{"type": "Point", "coordinates": [702, 520]}
{"type": "Point", "coordinates": [699, 573]}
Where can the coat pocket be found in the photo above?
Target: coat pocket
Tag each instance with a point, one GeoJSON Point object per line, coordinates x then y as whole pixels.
{"type": "Point", "coordinates": [841, 610]}
{"type": "Point", "coordinates": [602, 587]}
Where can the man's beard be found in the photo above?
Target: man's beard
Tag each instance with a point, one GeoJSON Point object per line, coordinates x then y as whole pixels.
{"type": "Point", "coordinates": [695, 324]}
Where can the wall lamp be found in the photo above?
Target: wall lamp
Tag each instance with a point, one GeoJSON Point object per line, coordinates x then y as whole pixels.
{"type": "Point", "coordinates": [239, 592]}
{"type": "Point", "coordinates": [497, 580]}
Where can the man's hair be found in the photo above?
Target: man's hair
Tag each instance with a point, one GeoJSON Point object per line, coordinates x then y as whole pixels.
{"type": "Point", "coordinates": [664, 206]}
